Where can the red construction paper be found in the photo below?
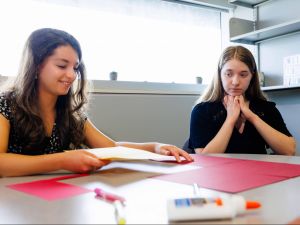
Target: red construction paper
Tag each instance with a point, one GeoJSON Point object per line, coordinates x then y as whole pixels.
{"type": "Point", "coordinates": [220, 180]}
{"type": "Point", "coordinates": [205, 160]}
{"type": "Point", "coordinates": [51, 189]}
{"type": "Point", "coordinates": [233, 175]}
{"type": "Point", "coordinates": [264, 168]}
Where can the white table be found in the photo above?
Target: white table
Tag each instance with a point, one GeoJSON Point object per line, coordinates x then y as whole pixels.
{"type": "Point", "coordinates": [146, 197]}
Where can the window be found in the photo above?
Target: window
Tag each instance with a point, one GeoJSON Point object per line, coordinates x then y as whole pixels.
{"type": "Point", "coordinates": [142, 40]}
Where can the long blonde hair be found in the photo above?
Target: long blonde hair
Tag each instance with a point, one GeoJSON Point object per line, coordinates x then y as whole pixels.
{"type": "Point", "coordinates": [215, 91]}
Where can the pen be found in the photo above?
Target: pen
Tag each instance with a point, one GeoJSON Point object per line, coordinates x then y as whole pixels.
{"type": "Point", "coordinates": [117, 201]}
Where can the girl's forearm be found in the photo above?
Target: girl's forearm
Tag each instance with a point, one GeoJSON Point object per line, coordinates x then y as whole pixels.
{"type": "Point", "coordinates": [219, 143]}
{"type": "Point", "coordinates": [21, 165]}
{"type": "Point", "coordinates": [149, 146]}
{"type": "Point", "coordinates": [279, 142]}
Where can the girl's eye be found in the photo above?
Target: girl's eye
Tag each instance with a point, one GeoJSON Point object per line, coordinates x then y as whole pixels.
{"type": "Point", "coordinates": [61, 66]}
{"type": "Point", "coordinates": [244, 74]}
{"type": "Point", "coordinates": [228, 74]}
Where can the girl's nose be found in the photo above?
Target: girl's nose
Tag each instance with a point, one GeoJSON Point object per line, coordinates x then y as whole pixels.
{"type": "Point", "coordinates": [235, 80]}
{"type": "Point", "coordinates": [71, 73]}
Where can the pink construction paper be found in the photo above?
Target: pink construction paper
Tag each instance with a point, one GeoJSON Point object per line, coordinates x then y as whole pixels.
{"type": "Point", "coordinates": [205, 160]}
{"type": "Point", "coordinates": [264, 168]}
{"type": "Point", "coordinates": [51, 189]}
{"type": "Point", "coordinates": [233, 175]}
{"type": "Point", "coordinates": [220, 180]}
{"type": "Point", "coordinates": [268, 168]}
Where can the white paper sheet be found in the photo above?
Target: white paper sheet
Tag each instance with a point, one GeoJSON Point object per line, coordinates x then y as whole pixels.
{"type": "Point", "coordinates": [124, 153]}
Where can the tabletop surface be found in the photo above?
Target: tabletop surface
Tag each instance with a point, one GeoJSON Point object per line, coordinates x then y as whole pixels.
{"type": "Point", "coordinates": [145, 196]}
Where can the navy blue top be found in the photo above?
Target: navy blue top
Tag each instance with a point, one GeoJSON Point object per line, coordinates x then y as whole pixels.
{"type": "Point", "coordinates": [207, 119]}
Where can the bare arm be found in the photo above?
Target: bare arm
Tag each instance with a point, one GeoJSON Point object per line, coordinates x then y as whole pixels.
{"type": "Point", "coordinates": [279, 142]}
{"type": "Point", "coordinates": [78, 161]}
{"type": "Point", "coordinates": [219, 143]}
{"type": "Point", "coordinates": [96, 139]}
{"type": "Point", "coordinates": [19, 165]}
{"type": "Point", "coordinates": [160, 148]}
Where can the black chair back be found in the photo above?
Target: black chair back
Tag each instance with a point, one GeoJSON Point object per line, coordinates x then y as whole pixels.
{"type": "Point", "coordinates": [186, 147]}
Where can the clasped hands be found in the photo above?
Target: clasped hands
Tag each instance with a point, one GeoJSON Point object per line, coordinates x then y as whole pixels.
{"type": "Point", "coordinates": [237, 110]}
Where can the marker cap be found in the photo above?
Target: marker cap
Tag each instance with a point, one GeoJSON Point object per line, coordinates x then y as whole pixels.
{"type": "Point", "coordinates": [252, 205]}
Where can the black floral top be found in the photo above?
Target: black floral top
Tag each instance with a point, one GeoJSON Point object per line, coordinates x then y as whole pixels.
{"type": "Point", "coordinates": [49, 145]}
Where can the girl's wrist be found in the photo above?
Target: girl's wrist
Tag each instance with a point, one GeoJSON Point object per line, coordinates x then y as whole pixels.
{"type": "Point", "coordinates": [230, 121]}
{"type": "Point", "coordinates": [59, 159]}
{"type": "Point", "coordinates": [252, 118]}
{"type": "Point", "coordinates": [156, 147]}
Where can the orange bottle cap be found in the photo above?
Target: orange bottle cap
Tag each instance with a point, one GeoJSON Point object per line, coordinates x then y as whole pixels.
{"type": "Point", "coordinates": [252, 205]}
{"type": "Point", "coordinates": [219, 201]}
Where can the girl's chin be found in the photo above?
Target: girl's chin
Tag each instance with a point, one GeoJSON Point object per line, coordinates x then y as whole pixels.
{"type": "Point", "coordinates": [64, 92]}
{"type": "Point", "coordinates": [235, 94]}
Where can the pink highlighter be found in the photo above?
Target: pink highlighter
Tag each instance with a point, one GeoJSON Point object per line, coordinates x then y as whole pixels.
{"type": "Point", "coordinates": [117, 201]}
{"type": "Point", "coordinates": [109, 197]}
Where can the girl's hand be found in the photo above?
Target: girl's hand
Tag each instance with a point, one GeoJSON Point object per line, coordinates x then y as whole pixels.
{"type": "Point", "coordinates": [232, 107]}
{"type": "Point", "coordinates": [246, 112]}
{"type": "Point", "coordinates": [165, 149]}
{"type": "Point", "coordinates": [80, 161]}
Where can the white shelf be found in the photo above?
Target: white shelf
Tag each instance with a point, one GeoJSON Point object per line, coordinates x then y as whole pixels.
{"type": "Point", "coordinates": [247, 3]}
{"type": "Point", "coordinates": [268, 33]}
{"type": "Point", "coordinates": [280, 87]}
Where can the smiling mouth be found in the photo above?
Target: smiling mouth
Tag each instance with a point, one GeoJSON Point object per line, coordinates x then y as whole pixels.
{"type": "Point", "coordinates": [66, 83]}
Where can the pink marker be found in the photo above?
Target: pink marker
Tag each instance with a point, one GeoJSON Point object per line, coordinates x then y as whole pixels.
{"type": "Point", "coordinates": [108, 196]}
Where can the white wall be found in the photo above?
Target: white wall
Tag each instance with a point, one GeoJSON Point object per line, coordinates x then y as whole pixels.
{"type": "Point", "coordinates": [166, 118]}
{"type": "Point", "coordinates": [143, 117]}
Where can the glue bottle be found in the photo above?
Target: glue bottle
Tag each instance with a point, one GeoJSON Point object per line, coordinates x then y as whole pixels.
{"type": "Point", "coordinates": [199, 208]}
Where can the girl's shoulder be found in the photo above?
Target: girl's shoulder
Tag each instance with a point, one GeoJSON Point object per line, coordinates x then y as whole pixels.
{"type": "Point", "coordinates": [208, 107]}
{"type": "Point", "coordinates": [263, 108]}
{"type": "Point", "coordinates": [6, 104]}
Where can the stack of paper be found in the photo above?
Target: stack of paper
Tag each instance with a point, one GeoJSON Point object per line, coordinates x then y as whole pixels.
{"type": "Point", "coordinates": [124, 153]}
